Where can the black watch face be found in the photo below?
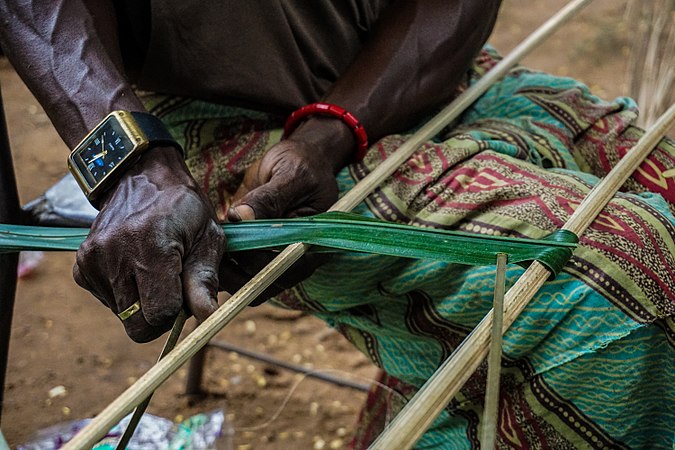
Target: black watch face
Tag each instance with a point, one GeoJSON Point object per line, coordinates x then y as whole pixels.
{"type": "Point", "coordinates": [104, 150]}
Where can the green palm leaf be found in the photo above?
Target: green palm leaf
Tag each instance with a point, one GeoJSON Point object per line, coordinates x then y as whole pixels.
{"type": "Point", "coordinates": [337, 231]}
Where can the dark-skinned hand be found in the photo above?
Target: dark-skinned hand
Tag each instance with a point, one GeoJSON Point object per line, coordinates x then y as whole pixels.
{"type": "Point", "coordinates": [155, 239]}
{"type": "Point", "coordinates": [294, 178]}
{"type": "Point", "coordinates": [291, 180]}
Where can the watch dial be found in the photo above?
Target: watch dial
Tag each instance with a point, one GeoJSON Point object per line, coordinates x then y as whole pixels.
{"type": "Point", "coordinates": [105, 150]}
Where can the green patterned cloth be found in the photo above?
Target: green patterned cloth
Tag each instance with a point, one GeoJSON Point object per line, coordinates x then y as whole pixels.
{"type": "Point", "coordinates": [589, 363]}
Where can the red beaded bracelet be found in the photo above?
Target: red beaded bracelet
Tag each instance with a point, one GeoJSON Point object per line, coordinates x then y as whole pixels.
{"type": "Point", "coordinates": [326, 109]}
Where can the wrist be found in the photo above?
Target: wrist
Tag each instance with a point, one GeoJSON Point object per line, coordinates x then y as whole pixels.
{"type": "Point", "coordinates": [331, 138]}
{"type": "Point", "coordinates": [161, 165]}
{"type": "Point", "coordinates": [164, 160]}
{"type": "Point", "coordinates": [335, 113]}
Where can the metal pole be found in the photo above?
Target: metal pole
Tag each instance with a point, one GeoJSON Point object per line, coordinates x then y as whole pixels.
{"type": "Point", "coordinates": [313, 373]}
{"type": "Point", "coordinates": [10, 212]}
{"type": "Point", "coordinates": [193, 384]}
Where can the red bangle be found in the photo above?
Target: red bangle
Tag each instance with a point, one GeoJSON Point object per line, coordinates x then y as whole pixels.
{"type": "Point", "coordinates": [326, 109]}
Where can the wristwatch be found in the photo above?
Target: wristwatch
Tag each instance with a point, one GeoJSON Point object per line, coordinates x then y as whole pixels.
{"type": "Point", "coordinates": [114, 145]}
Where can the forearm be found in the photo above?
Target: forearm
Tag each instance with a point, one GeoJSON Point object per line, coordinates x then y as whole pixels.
{"type": "Point", "coordinates": [66, 52]}
{"type": "Point", "coordinates": [412, 63]}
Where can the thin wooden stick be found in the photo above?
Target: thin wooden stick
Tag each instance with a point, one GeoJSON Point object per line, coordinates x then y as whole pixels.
{"type": "Point", "coordinates": [137, 415]}
{"type": "Point", "coordinates": [200, 336]}
{"type": "Point", "coordinates": [409, 425]}
{"type": "Point", "coordinates": [491, 410]}
{"type": "Point", "coordinates": [116, 410]}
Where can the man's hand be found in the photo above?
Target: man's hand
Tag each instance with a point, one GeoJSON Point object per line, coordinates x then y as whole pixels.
{"type": "Point", "coordinates": [291, 180]}
{"type": "Point", "coordinates": [155, 240]}
{"type": "Point", "coordinates": [295, 178]}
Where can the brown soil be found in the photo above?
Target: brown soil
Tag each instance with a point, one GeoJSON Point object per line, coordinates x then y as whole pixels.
{"type": "Point", "coordinates": [62, 336]}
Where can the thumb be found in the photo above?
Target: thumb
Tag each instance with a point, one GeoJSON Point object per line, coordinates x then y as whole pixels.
{"type": "Point", "coordinates": [268, 201]}
{"type": "Point", "coordinates": [200, 280]}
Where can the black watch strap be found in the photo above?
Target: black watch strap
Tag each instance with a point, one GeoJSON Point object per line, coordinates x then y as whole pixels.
{"type": "Point", "coordinates": [155, 131]}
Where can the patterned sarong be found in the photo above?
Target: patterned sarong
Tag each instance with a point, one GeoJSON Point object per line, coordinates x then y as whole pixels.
{"type": "Point", "coordinates": [590, 362]}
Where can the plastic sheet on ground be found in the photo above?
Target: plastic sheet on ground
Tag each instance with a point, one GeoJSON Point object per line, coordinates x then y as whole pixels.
{"type": "Point", "coordinates": [204, 431]}
{"type": "Point", "coordinates": [3, 443]}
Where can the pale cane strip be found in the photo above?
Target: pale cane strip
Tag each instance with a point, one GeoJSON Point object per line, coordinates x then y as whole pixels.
{"type": "Point", "coordinates": [136, 417]}
{"type": "Point", "coordinates": [491, 410]}
{"type": "Point", "coordinates": [201, 335]}
{"type": "Point", "coordinates": [418, 414]}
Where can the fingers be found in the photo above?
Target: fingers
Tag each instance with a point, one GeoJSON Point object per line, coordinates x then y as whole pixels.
{"type": "Point", "coordinates": [275, 185]}
{"type": "Point", "coordinates": [137, 326]}
{"type": "Point", "coordinates": [281, 196]}
{"type": "Point", "coordinates": [117, 294]}
{"type": "Point", "coordinates": [158, 284]}
{"type": "Point", "coordinates": [240, 212]}
{"type": "Point", "coordinates": [88, 271]}
{"type": "Point", "coordinates": [201, 296]}
{"type": "Point", "coordinates": [290, 180]}
{"type": "Point", "coordinates": [266, 201]}
{"type": "Point", "coordinates": [200, 274]}
{"type": "Point", "coordinates": [149, 266]}
{"type": "Point", "coordinates": [82, 281]}
{"type": "Point", "coordinates": [155, 241]}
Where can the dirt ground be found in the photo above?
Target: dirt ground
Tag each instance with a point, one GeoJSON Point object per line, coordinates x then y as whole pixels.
{"type": "Point", "coordinates": [62, 336]}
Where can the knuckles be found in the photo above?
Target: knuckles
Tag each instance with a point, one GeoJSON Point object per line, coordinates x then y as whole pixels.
{"type": "Point", "coordinates": [206, 277]}
{"type": "Point", "coordinates": [137, 232]}
{"type": "Point", "coordinates": [141, 334]}
{"type": "Point", "coordinates": [216, 234]}
{"type": "Point", "coordinates": [159, 314]}
{"type": "Point", "coordinates": [291, 182]}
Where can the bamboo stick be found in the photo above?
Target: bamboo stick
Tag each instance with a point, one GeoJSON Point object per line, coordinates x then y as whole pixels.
{"type": "Point", "coordinates": [137, 415]}
{"type": "Point", "coordinates": [145, 385]}
{"type": "Point", "coordinates": [409, 425]}
{"type": "Point", "coordinates": [491, 408]}
{"type": "Point", "coordinates": [191, 344]}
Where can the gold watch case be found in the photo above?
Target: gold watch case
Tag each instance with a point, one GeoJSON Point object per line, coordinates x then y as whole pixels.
{"type": "Point", "coordinates": [95, 172]}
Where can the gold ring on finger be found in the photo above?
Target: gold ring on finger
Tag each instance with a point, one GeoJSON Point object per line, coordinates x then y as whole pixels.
{"type": "Point", "coordinates": [130, 311]}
